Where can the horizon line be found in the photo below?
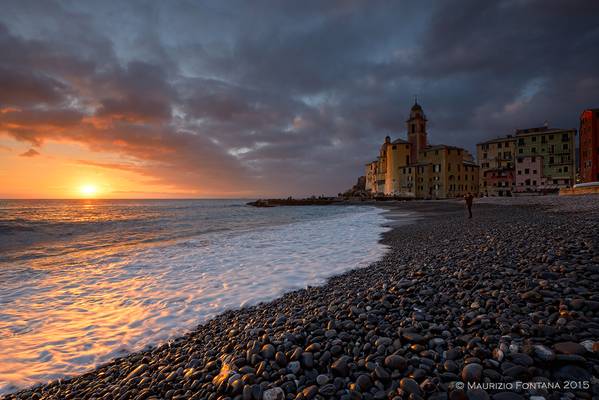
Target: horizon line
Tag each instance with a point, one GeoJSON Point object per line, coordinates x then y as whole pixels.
{"type": "Point", "coordinates": [154, 198]}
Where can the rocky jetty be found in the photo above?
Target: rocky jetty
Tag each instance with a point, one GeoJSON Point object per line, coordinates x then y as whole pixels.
{"type": "Point", "coordinates": [313, 201]}
{"type": "Point", "coordinates": [509, 296]}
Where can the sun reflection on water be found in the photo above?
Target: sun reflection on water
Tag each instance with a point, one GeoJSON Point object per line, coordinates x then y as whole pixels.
{"type": "Point", "coordinates": [92, 281]}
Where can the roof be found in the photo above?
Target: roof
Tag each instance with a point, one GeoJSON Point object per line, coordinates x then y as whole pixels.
{"type": "Point", "coordinates": [400, 141]}
{"type": "Point", "coordinates": [543, 130]}
{"type": "Point", "coordinates": [593, 110]}
{"type": "Point", "coordinates": [467, 162]}
{"type": "Point", "coordinates": [499, 139]}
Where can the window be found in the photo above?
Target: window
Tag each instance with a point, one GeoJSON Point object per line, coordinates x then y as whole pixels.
{"type": "Point", "coordinates": [520, 142]}
{"type": "Point", "coordinates": [484, 155]}
{"type": "Point", "coordinates": [520, 151]}
{"type": "Point", "coordinates": [499, 145]}
{"type": "Point", "coordinates": [519, 160]}
{"type": "Point", "coordinates": [534, 138]}
{"type": "Point", "coordinates": [394, 147]}
{"type": "Point", "coordinates": [526, 170]}
{"type": "Point", "coordinates": [565, 146]}
{"type": "Point", "coordinates": [407, 159]}
{"type": "Point", "coordinates": [565, 137]}
{"type": "Point", "coordinates": [533, 150]}
{"type": "Point", "coordinates": [534, 171]}
{"type": "Point", "coordinates": [565, 169]}
{"type": "Point", "coordinates": [534, 183]}
{"type": "Point", "coordinates": [533, 159]}
{"type": "Point", "coordinates": [551, 160]}
{"type": "Point", "coordinates": [413, 128]}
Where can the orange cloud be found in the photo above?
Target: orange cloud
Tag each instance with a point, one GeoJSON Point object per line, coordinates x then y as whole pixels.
{"type": "Point", "coordinates": [30, 153]}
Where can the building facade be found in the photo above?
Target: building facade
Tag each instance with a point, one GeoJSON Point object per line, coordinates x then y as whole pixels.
{"type": "Point", "coordinates": [555, 148]}
{"type": "Point", "coordinates": [534, 160]}
{"type": "Point", "coordinates": [370, 175]}
{"type": "Point", "coordinates": [529, 174]}
{"type": "Point", "coordinates": [498, 182]}
{"type": "Point", "coordinates": [589, 146]}
{"type": "Point", "coordinates": [415, 169]}
{"type": "Point", "coordinates": [496, 159]}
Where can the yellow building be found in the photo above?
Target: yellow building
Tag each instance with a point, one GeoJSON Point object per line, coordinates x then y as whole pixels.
{"type": "Point", "coordinates": [444, 172]}
{"type": "Point", "coordinates": [382, 175]}
{"type": "Point", "coordinates": [414, 169]}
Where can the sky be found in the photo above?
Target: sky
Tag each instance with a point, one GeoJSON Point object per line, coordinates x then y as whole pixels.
{"type": "Point", "coordinates": [250, 99]}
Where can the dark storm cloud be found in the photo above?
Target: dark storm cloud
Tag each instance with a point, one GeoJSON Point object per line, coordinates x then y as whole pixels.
{"type": "Point", "coordinates": [287, 97]}
{"type": "Point", "coordinates": [139, 92]}
{"type": "Point", "coordinates": [25, 88]}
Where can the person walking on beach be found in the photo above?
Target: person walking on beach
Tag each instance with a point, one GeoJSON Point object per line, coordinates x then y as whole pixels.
{"type": "Point", "coordinates": [469, 199]}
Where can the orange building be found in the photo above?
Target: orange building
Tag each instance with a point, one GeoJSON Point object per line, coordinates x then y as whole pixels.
{"type": "Point", "coordinates": [589, 145]}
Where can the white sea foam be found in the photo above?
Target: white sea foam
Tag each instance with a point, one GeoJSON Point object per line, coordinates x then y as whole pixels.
{"type": "Point", "coordinates": [66, 313]}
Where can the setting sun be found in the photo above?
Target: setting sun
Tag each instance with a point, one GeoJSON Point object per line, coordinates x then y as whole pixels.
{"type": "Point", "coordinates": [88, 190]}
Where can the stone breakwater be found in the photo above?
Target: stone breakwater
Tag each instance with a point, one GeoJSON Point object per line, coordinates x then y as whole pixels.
{"type": "Point", "coordinates": [509, 296]}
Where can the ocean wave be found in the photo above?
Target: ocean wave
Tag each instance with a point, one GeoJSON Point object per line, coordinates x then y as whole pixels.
{"type": "Point", "coordinates": [80, 302]}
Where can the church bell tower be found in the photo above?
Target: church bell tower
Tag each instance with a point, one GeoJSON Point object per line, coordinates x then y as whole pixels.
{"type": "Point", "coordinates": [416, 125]}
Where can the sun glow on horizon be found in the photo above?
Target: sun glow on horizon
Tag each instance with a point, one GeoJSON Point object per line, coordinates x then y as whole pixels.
{"type": "Point", "coordinates": [88, 190]}
{"type": "Point", "coordinates": [65, 170]}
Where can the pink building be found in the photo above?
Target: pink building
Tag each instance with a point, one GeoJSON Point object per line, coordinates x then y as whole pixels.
{"type": "Point", "coordinates": [529, 174]}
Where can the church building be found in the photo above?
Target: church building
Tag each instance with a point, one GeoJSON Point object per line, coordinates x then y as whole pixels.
{"type": "Point", "coordinates": [416, 169]}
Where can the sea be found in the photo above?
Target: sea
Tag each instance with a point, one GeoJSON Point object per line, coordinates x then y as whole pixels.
{"type": "Point", "coordinates": [85, 281]}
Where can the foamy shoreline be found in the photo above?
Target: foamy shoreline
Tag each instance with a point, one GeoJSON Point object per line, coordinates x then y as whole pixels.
{"type": "Point", "coordinates": [62, 322]}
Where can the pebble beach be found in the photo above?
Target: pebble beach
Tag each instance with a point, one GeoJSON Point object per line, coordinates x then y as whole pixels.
{"type": "Point", "coordinates": [502, 306]}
